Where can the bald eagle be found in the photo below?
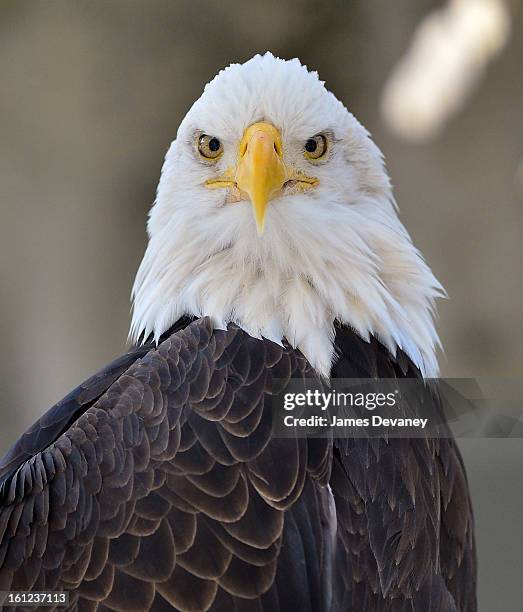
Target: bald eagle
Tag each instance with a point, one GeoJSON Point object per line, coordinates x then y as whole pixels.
{"type": "Point", "coordinates": [275, 253]}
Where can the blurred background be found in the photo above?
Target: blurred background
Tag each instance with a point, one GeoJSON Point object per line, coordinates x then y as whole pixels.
{"type": "Point", "coordinates": [91, 96]}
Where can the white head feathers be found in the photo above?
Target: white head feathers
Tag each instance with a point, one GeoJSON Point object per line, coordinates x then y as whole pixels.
{"type": "Point", "coordinates": [337, 251]}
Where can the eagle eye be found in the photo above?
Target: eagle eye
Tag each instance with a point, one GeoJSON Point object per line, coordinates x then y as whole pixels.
{"type": "Point", "coordinates": [209, 147]}
{"type": "Point", "coordinates": [315, 147]}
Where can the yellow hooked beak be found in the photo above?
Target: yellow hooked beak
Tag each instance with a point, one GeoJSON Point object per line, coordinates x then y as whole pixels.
{"type": "Point", "coordinates": [260, 172]}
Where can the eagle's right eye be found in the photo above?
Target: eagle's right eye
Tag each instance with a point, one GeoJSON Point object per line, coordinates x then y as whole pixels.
{"type": "Point", "coordinates": [209, 147]}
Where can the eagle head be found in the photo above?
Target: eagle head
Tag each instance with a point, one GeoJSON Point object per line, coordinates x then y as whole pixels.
{"type": "Point", "coordinates": [274, 211]}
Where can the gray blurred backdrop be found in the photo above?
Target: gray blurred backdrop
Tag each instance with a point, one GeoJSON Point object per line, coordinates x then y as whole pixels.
{"type": "Point", "coordinates": [91, 96]}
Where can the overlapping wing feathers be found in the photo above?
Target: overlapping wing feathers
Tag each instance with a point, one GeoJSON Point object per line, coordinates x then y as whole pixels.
{"type": "Point", "coordinates": [164, 492]}
{"type": "Point", "coordinates": [158, 485]}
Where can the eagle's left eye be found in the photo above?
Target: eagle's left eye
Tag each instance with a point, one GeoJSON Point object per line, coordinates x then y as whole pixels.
{"type": "Point", "coordinates": [209, 147]}
{"type": "Point", "coordinates": [315, 147]}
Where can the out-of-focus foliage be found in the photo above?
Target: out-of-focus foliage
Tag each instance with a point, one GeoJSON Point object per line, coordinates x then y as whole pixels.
{"type": "Point", "coordinates": [450, 50]}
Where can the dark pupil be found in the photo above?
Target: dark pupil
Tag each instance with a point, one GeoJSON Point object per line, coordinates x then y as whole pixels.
{"type": "Point", "coordinates": [311, 145]}
{"type": "Point", "coordinates": [214, 144]}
